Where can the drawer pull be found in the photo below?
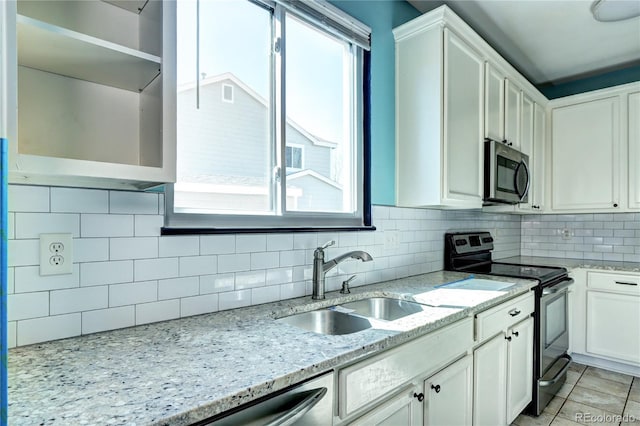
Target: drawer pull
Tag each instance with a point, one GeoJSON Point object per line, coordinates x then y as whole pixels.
{"type": "Point", "coordinates": [420, 396]}
{"type": "Point", "coordinates": [436, 388]}
{"type": "Point", "coordinates": [508, 338]}
{"type": "Point", "coordinates": [625, 283]}
{"type": "Point", "coordinates": [516, 333]}
{"type": "Point", "coordinates": [514, 312]}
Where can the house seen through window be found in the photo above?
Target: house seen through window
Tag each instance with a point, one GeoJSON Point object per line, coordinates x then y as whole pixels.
{"type": "Point", "coordinates": [269, 117]}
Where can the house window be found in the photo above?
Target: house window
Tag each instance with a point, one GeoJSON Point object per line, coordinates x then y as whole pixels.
{"type": "Point", "coordinates": [289, 151]}
{"type": "Point", "coordinates": [227, 93]}
{"type": "Point", "coordinates": [293, 157]}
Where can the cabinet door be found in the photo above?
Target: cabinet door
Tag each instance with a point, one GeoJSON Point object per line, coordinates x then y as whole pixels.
{"type": "Point", "coordinates": [463, 118]}
{"type": "Point", "coordinates": [493, 103]}
{"type": "Point", "coordinates": [538, 183]}
{"type": "Point", "coordinates": [613, 326]}
{"type": "Point", "coordinates": [448, 395]}
{"type": "Point", "coordinates": [519, 368]}
{"type": "Point", "coordinates": [490, 382]}
{"type": "Point", "coordinates": [526, 145]}
{"type": "Point", "coordinates": [584, 155]}
{"type": "Point", "coordinates": [402, 410]}
{"type": "Point", "coordinates": [512, 113]}
{"type": "Point", "coordinates": [634, 149]}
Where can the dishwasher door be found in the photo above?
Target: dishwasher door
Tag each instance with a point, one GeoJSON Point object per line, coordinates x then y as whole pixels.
{"type": "Point", "coordinates": [308, 403]}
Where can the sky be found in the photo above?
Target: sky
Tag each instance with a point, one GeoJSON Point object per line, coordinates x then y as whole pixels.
{"type": "Point", "coordinates": [235, 36]}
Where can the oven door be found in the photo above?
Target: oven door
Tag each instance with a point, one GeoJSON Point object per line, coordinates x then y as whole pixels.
{"type": "Point", "coordinates": [554, 326]}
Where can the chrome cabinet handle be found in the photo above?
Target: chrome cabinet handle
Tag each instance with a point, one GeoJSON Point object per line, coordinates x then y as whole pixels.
{"type": "Point", "coordinates": [420, 396]}
{"type": "Point", "coordinates": [514, 312]}
{"type": "Point", "coordinates": [625, 283]}
{"type": "Point", "coordinates": [436, 388]}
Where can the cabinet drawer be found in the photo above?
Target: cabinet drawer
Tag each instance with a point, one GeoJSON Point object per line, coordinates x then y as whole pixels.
{"type": "Point", "coordinates": [370, 380]}
{"type": "Point", "coordinates": [503, 316]}
{"type": "Point", "coordinates": [621, 283]}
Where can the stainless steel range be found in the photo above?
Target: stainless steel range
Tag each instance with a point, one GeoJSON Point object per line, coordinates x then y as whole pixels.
{"type": "Point", "coordinates": [471, 252]}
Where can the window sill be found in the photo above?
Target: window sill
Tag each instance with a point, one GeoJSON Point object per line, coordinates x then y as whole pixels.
{"type": "Point", "coordinates": [193, 231]}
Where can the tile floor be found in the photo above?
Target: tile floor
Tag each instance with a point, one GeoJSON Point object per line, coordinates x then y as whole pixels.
{"type": "Point", "coordinates": [591, 396]}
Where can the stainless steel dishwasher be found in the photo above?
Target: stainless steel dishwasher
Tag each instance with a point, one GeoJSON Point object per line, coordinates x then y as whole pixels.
{"type": "Point", "coordinates": [307, 403]}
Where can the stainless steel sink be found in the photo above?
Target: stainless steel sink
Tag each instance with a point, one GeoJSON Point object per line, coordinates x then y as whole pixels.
{"type": "Point", "coordinates": [326, 321]}
{"type": "Point", "coordinates": [383, 308]}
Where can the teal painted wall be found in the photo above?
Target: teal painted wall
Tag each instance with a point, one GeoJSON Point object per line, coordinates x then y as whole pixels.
{"type": "Point", "coordinates": [600, 81]}
{"type": "Point", "coordinates": [382, 16]}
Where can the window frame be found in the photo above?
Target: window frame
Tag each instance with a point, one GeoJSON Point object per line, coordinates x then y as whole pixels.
{"type": "Point", "coordinates": [282, 220]}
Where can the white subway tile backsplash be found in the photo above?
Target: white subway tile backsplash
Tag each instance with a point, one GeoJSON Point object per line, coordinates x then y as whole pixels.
{"type": "Point", "coordinates": [198, 265]}
{"type": "Point", "coordinates": [217, 283]}
{"type": "Point", "coordinates": [106, 225]}
{"type": "Point", "coordinates": [293, 258]}
{"type": "Point", "coordinates": [179, 246]}
{"type": "Point", "coordinates": [265, 260]}
{"type": "Point", "coordinates": [48, 328]}
{"type": "Point", "coordinates": [108, 319]}
{"type": "Point", "coordinates": [148, 225]}
{"type": "Point", "coordinates": [90, 249]}
{"type": "Point", "coordinates": [133, 293]}
{"type": "Point", "coordinates": [291, 290]}
{"type": "Point", "coordinates": [24, 198]}
{"type": "Point", "coordinates": [27, 305]}
{"type": "Point", "coordinates": [307, 240]}
{"type": "Point", "coordinates": [78, 299]}
{"type": "Point", "coordinates": [31, 225]}
{"type": "Point", "coordinates": [100, 273]}
{"type": "Point", "coordinates": [234, 299]}
{"type": "Point", "coordinates": [153, 269]}
{"type": "Point", "coordinates": [28, 279]}
{"type": "Point", "coordinates": [265, 294]}
{"type": "Point", "coordinates": [11, 280]}
{"type": "Point", "coordinates": [23, 252]}
{"type": "Point", "coordinates": [11, 227]}
{"type": "Point", "coordinates": [197, 305]}
{"type": "Point", "coordinates": [178, 287]}
{"type": "Point", "coordinates": [12, 334]}
{"type": "Point", "coordinates": [157, 311]}
{"type": "Point", "coordinates": [133, 248]}
{"type": "Point", "coordinates": [278, 242]}
{"type": "Point", "coordinates": [133, 202]}
{"type": "Point", "coordinates": [217, 244]}
{"type": "Point", "coordinates": [74, 200]}
{"type": "Point", "coordinates": [250, 279]}
{"type": "Point", "coordinates": [279, 276]}
{"type": "Point", "coordinates": [246, 243]}
{"type": "Point", "coordinates": [234, 262]}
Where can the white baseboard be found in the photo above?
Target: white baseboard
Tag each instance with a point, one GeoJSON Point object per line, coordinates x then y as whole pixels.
{"type": "Point", "coordinates": [606, 364]}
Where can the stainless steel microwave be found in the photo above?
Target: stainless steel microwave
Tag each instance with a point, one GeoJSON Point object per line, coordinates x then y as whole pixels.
{"type": "Point", "coordinates": [506, 174]}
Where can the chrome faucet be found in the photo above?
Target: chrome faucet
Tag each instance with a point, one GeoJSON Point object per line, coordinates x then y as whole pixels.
{"type": "Point", "coordinates": [320, 267]}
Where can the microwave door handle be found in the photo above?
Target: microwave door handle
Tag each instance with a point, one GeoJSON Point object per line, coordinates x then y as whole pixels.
{"type": "Point", "coordinates": [522, 194]}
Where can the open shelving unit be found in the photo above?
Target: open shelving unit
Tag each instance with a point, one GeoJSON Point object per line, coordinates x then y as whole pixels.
{"type": "Point", "coordinates": [95, 94]}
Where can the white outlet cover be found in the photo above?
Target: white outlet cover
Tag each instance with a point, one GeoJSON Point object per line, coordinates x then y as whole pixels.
{"type": "Point", "coordinates": [58, 246]}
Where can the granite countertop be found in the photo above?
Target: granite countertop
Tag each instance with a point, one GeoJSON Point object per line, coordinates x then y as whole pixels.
{"type": "Point", "coordinates": [181, 371]}
{"type": "Point", "coordinates": [605, 265]}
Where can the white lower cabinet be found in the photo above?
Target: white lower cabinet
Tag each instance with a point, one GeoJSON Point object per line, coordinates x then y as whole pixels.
{"type": "Point", "coordinates": [503, 363]}
{"type": "Point", "coordinates": [399, 410]}
{"type": "Point", "coordinates": [449, 396]}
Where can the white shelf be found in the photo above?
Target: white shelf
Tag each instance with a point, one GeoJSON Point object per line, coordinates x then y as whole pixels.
{"type": "Point", "coordinates": [61, 51]}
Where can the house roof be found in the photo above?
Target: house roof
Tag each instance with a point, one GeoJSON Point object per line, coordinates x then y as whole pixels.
{"type": "Point", "coordinates": [231, 77]}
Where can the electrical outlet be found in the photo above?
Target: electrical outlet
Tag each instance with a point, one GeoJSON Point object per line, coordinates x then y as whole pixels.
{"type": "Point", "coordinates": [566, 234]}
{"type": "Point", "coordinates": [391, 240]}
{"type": "Point", "coordinates": [56, 254]}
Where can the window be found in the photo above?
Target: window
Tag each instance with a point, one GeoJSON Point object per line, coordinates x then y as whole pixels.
{"type": "Point", "coordinates": [274, 136]}
{"type": "Point", "coordinates": [293, 157]}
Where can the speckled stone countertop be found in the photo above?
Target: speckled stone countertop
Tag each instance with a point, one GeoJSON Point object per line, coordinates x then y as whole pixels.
{"type": "Point", "coordinates": [605, 265]}
{"type": "Point", "coordinates": [181, 371]}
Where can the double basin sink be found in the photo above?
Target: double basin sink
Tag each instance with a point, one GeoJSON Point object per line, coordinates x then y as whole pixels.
{"type": "Point", "coordinates": [352, 317]}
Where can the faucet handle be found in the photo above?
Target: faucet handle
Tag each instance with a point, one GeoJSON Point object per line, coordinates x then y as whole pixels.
{"type": "Point", "coordinates": [328, 244]}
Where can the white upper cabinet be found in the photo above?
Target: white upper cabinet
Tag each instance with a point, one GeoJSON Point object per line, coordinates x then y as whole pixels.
{"type": "Point", "coordinates": [493, 103]}
{"type": "Point", "coordinates": [585, 155]}
{"type": "Point", "coordinates": [512, 113]}
{"type": "Point", "coordinates": [633, 127]}
{"type": "Point", "coordinates": [439, 118]}
{"type": "Point", "coordinates": [95, 93]}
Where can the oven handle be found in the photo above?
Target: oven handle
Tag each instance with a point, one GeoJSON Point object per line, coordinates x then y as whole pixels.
{"type": "Point", "coordinates": [558, 287]}
{"type": "Point", "coordinates": [545, 383]}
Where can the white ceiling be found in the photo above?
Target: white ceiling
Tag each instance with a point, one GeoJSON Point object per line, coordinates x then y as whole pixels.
{"type": "Point", "coordinates": [550, 41]}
